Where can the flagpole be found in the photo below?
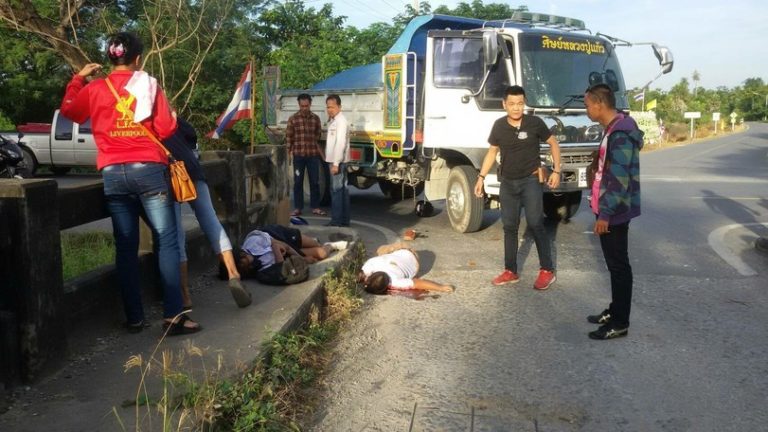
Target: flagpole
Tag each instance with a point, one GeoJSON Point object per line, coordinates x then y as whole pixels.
{"type": "Point", "coordinates": [253, 104]}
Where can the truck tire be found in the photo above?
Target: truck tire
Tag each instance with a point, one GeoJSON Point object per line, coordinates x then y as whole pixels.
{"type": "Point", "coordinates": [465, 210]}
{"type": "Point", "coordinates": [397, 192]}
{"type": "Point", "coordinates": [60, 171]}
{"type": "Point", "coordinates": [561, 207]}
{"type": "Point", "coordinates": [30, 164]}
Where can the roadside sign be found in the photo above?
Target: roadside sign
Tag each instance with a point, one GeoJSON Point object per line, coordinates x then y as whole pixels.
{"type": "Point", "coordinates": [716, 116]}
{"type": "Point", "coordinates": [692, 115]}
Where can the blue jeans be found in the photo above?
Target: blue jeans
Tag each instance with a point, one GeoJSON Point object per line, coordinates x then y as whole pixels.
{"type": "Point", "coordinates": [312, 166]}
{"type": "Point", "coordinates": [129, 189]}
{"type": "Point", "coordinates": [340, 214]}
{"type": "Point", "coordinates": [208, 220]}
{"type": "Point", "coordinates": [615, 246]}
{"type": "Point", "coordinates": [527, 193]}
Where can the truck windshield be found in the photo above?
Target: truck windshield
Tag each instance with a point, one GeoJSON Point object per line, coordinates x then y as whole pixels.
{"type": "Point", "coordinates": [556, 67]}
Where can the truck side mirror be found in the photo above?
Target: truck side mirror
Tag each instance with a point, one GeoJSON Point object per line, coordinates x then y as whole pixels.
{"type": "Point", "coordinates": [490, 48]}
{"type": "Point", "coordinates": [664, 55]}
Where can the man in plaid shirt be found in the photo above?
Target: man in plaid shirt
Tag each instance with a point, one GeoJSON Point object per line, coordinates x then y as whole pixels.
{"type": "Point", "coordinates": [301, 137]}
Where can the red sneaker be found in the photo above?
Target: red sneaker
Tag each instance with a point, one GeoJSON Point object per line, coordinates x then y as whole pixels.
{"type": "Point", "coordinates": [545, 279]}
{"type": "Point", "coordinates": [507, 276]}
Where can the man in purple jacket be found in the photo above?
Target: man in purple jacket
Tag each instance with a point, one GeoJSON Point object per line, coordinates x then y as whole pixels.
{"type": "Point", "coordinates": [615, 201]}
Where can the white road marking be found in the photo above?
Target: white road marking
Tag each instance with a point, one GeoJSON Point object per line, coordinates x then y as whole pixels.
{"type": "Point", "coordinates": [716, 242]}
{"type": "Point", "coordinates": [701, 179]}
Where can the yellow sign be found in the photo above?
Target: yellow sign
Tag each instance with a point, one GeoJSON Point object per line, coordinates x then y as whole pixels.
{"type": "Point", "coordinates": [560, 43]}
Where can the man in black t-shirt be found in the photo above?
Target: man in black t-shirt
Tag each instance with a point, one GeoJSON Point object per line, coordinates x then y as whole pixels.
{"type": "Point", "coordinates": [518, 136]}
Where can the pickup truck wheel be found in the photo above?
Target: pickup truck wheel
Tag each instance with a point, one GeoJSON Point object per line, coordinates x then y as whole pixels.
{"type": "Point", "coordinates": [60, 171]}
{"type": "Point", "coordinates": [561, 207]}
{"type": "Point", "coordinates": [397, 191]}
{"type": "Point", "coordinates": [29, 167]}
{"type": "Point", "coordinates": [465, 210]}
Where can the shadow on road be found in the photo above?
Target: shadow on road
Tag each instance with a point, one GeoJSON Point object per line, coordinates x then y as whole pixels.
{"type": "Point", "coordinates": [735, 211]}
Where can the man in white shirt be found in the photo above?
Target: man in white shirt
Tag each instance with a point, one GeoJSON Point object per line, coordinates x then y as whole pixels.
{"type": "Point", "coordinates": [394, 269]}
{"type": "Point", "coordinates": [337, 156]}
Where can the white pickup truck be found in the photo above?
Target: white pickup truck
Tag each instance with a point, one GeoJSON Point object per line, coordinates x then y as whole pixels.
{"type": "Point", "coordinates": [66, 145]}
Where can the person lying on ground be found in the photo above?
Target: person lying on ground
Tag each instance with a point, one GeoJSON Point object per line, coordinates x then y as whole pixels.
{"type": "Point", "coordinates": [266, 250]}
{"type": "Point", "coordinates": [394, 268]}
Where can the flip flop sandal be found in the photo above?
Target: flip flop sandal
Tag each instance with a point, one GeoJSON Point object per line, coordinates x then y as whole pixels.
{"type": "Point", "coordinates": [296, 213]}
{"type": "Point", "coordinates": [319, 212]}
{"type": "Point", "coordinates": [239, 293]}
{"type": "Point", "coordinates": [178, 328]}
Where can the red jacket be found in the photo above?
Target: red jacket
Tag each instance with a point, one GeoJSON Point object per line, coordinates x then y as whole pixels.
{"type": "Point", "coordinates": [118, 139]}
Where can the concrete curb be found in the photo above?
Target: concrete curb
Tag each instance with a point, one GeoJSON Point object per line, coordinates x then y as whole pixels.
{"type": "Point", "coordinates": [92, 381]}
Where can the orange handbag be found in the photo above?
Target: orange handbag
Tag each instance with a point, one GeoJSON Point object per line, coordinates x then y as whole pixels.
{"type": "Point", "coordinates": [182, 185]}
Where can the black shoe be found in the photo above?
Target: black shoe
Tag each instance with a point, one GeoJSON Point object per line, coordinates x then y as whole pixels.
{"type": "Point", "coordinates": [608, 331]}
{"type": "Point", "coordinates": [603, 318]}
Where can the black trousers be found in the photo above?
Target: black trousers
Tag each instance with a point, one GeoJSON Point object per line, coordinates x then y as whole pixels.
{"type": "Point", "coordinates": [615, 245]}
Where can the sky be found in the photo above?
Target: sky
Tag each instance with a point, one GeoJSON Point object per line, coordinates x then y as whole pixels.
{"type": "Point", "coordinates": [725, 41]}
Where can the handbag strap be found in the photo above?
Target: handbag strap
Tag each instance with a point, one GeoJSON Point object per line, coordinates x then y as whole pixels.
{"type": "Point", "coordinates": [130, 112]}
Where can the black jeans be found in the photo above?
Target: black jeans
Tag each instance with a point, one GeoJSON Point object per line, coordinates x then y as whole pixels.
{"type": "Point", "coordinates": [527, 193]}
{"type": "Point", "coordinates": [615, 245]}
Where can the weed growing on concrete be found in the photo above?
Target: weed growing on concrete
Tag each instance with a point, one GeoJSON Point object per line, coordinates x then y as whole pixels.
{"type": "Point", "coordinates": [269, 395]}
{"type": "Point", "coordinates": [83, 252]}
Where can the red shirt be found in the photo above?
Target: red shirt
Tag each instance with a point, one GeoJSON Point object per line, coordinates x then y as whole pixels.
{"type": "Point", "coordinates": [302, 134]}
{"type": "Point", "coordinates": [118, 139]}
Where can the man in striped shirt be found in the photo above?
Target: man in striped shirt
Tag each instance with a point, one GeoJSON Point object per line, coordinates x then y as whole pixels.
{"type": "Point", "coordinates": [301, 138]}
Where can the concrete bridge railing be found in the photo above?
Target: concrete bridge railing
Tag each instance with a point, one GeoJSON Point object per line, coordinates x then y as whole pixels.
{"type": "Point", "coordinates": [37, 307]}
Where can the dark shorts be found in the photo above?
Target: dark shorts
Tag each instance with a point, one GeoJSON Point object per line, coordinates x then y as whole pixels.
{"type": "Point", "coordinates": [291, 236]}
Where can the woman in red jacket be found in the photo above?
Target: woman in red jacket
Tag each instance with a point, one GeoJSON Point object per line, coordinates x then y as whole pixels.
{"type": "Point", "coordinates": [134, 169]}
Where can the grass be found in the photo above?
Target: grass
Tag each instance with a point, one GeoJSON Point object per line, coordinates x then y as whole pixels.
{"type": "Point", "coordinates": [273, 394]}
{"type": "Point", "coordinates": [83, 252]}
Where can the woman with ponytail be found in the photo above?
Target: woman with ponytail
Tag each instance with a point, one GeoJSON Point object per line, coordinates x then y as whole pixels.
{"type": "Point", "coordinates": [134, 169]}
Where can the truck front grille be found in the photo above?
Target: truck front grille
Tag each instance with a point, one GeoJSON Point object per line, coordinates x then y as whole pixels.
{"type": "Point", "coordinates": [575, 159]}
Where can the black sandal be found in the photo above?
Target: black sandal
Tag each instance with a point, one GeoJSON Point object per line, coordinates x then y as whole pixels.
{"type": "Point", "coordinates": [178, 328]}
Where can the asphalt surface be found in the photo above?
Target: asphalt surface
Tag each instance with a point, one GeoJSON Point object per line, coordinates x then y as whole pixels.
{"type": "Point", "coordinates": [509, 358]}
{"type": "Point", "coordinates": [513, 359]}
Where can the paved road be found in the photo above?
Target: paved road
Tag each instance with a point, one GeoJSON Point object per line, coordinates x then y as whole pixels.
{"type": "Point", "coordinates": [512, 359]}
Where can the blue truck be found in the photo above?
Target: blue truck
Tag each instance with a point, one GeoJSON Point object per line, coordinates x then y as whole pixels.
{"type": "Point", "coordinates": [421, 117]}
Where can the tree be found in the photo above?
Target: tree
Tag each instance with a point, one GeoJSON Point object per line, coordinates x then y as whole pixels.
{"type": "Point", "coordinates": [491, 11]}
{"type": "Point", "coordinates": [695, 77]}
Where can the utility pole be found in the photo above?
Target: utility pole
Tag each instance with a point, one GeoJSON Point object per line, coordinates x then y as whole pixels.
{"type": "Point", "coordinates": [416, 6]}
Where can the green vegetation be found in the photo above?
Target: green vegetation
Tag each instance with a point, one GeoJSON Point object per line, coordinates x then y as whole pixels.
{"type": "Point", "coordinates": [198, 49]}
{"type": "Point", "coordinates": [274, 394]}
{"type": "Point", "coordinates": [84, 252]}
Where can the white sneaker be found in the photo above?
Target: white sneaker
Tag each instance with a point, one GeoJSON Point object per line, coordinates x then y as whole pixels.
{"type": "Point", "coordinates": [337, 245]}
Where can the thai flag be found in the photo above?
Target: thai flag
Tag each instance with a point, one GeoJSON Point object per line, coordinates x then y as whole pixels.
{"type": "Point", "coordinates": [239, 107]}
{"type": "Point", "coordinates": [639, 97]}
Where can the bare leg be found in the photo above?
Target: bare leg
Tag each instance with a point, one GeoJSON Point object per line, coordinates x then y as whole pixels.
{"type": "Point", "coordinates": [229, 262]}
{"type": "Point", "coordinates": [309, 242]}
{"type": "Point", "coordinates": [317, 253]}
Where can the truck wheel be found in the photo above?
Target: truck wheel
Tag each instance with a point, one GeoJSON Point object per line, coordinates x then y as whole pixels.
{"type": "Point", "coordinates": [561, 207]}
{"type": "Point", "coordinates": [60, 171]}
{"type": "Point", "coordinates": [465, 210]}
{"type": "Point", "coordinates": [29, 167]}
{"type": "Point", "coordinates": [361, 182]}
{"type": "Point", "coordinates": [397, 192]}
